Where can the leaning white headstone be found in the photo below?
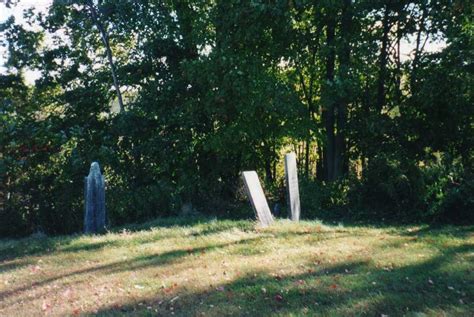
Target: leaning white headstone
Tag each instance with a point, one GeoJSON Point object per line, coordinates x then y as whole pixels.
{"type": "Point", "coordinates": [94, 201]}
{"type": "Point", "coordinates": [292, 189]}
{"type": "Point", "coordinates": [257, 197]}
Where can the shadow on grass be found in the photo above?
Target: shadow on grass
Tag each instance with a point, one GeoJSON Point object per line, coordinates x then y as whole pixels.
{"type": "Point", "coordinates": [438, 230]}
{"type": "Point", "coordinates": [211, 224]}
{"type": "Point", "coordinates": [348, 288]}
{"type": "Point", "coordinates": [31, 246]}
{"type": "Point", "coordinates": [7, 266]}
{"type": "Point", "coordinates": [133, 264]}
{"type": "Point", "coordinates": [344, 289]}
{"type": "Point", "coordinates": [13, 249]}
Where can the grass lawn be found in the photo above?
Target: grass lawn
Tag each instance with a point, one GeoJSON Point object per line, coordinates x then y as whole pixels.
{"type": "Point", "coordinates": [216, 268]}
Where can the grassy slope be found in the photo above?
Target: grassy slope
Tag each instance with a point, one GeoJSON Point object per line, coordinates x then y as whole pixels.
{"type": "Point", "coordinates": [216, 268]}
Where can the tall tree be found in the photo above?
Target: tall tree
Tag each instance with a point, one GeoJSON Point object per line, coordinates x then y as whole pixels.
{"type": "Point", "coordinates": [328, 115]}
{"type": "Point", "coordinates": [341, 156]}
{"type": "Point", "coordinates": [97, 18]}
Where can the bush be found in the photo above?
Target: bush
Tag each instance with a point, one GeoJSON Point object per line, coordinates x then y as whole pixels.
{"type": "Point", "coordinates": [392, 190]}
{"type": "Point", "coordinates": [143, 202]}
{"type": "Point", "coordinates": [450, 192]}
{"type": "Point", "coordinates": [323, 200]}
{"type": "Point", "coordinates": [458, 203]}
{"type": "Point", "coordinates": [389, 190]}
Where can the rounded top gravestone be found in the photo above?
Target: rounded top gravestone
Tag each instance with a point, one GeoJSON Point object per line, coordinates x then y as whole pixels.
{"type": "Point", "coordinates": [94, 196]}
{"type": "Point", "coordinates": [95, 168]}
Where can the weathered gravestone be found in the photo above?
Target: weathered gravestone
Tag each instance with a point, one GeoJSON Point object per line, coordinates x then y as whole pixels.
{"type": "Point", "coordinates": [94, 195]}
{"type": "Point", "coordinates": [257, 198]}
{"type": "Point", "coordinates": [292, 189]}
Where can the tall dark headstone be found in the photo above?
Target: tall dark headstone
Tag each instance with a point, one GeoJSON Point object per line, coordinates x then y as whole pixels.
{"type": "Point", "coordinates": [94, 195]}
{"type": "Point", "coordinates": [292, 188]}
{"type": "Point", "coordinates": [257, 197]}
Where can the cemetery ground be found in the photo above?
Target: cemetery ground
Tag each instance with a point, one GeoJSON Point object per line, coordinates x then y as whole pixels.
{"type": "Point", "coordinates": [206, 267]}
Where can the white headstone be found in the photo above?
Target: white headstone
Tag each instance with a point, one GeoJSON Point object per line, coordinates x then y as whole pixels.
{"type": "Point", "coordinates": [257, 197]}
{"type": "Point", "coordinates": [292, 188]}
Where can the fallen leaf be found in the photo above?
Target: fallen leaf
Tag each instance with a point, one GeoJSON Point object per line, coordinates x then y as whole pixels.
{"type": "Point", "coordinates": [278, 298]}
{"type": "Point", "coordinates": [46, 305]}
{"type": "Point", "coordinates": [67, 293]}
{"type": "Point", "coordinates": [35, 268]}
{"type": "Point", "coordinates": [173, 299]}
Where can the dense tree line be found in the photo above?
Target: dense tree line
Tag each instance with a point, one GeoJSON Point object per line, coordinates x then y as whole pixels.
{"type": "Point", "coordinates": [176, 97]}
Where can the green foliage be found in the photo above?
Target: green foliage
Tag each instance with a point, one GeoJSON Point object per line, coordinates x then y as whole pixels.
{"type": "Point", "coordinates": [203, 266]}
{"type": "Point", "coordinates": [321, 200]}
{"type": "Point", "coordinates": [448, 192]}
{"type": "Point", "coordinates": [389, 188]}
{"type": "Point", "coordinates": [212, 88]}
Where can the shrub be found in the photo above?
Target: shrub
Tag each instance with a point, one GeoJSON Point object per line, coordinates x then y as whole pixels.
{"type": "Point", "coordinates": [323, 200]}
{"type": "Point", "coordinates": [389, 190]}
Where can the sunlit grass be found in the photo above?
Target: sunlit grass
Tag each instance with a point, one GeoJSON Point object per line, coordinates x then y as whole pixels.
{"type": "Point", "coordinates": [215, 268]}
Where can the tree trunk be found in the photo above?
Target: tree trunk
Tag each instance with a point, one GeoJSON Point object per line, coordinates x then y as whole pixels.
{"type": "Point", "coordinates": [319, 164]}
{"type": "Point", "coordinates": [308, 95]}
{"type": "Point", "coordinates": [186, 14]}
{"type": "Point", "coordinates": [268, 170]}
{"type": "Point", "coordinates": [328, 110]}
{"type": "Point", "coordinates": [383, 60]}
{"type": "Point", "coordinates": [398, 78]}
{"type": "Point", "coordinates": [418, 49]}
{"type": "Point", "coordinates": [274, 164]}
{"type": "Point", "coordinates": [306, 158]}
{"type": "Point", "coordinates": [105, 40]}
{"type": "Point", "coordinates": [344, 62]}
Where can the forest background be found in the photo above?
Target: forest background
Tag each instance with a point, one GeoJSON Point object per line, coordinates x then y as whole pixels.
{"type": "Point", "coordinates": [175, 98]}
